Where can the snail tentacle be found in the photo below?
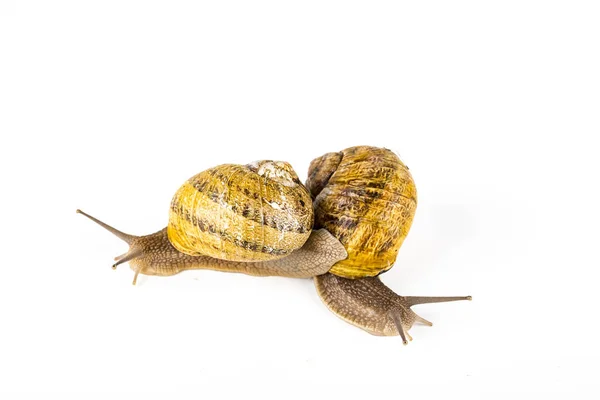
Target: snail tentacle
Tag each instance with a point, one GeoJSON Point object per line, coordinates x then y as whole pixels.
{"type": "Point", "coordinates": [123, 236]}
{"type": "Point", "coordinates": [398, 322]}
{"type": "Point", "coordinates": [423, 320]}
{"type": "Point", "coordinates": [414, 300]}
{"type": "Point", "coordinates": [130, 255]}
{"type": "Point", "coordinates": [137, 272]}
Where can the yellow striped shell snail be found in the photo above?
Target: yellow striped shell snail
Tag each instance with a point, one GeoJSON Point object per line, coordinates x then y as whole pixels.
{"type": "Point", "coordinates": [258, 219]}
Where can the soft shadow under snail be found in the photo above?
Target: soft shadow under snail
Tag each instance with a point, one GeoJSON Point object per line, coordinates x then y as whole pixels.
{"type": "Point", "coordinates": [344, 228]}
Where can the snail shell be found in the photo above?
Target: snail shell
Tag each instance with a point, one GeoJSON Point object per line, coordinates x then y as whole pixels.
{"type": "Point", "coordinates": [255, 212]}
{"type": "Point", "coordinates": [366, 197]}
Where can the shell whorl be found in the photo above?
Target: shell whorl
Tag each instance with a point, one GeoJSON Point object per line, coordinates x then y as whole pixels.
{"type": "Point", "coordinates": [255, 212]}
{"type": "Point", "coordinates": [366, 197]}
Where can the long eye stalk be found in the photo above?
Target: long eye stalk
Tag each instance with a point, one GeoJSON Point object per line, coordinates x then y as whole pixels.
{"type": "Point", "coordinates": [414, 300]}
{"type": "Point", "coordinates": [123, 236]}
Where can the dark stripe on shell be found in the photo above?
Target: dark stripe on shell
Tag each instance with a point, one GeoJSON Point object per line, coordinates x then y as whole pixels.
{"type": "Point", "coordinates": [207, 226]}
{"type": "Point", "coordinates": [246, 210]}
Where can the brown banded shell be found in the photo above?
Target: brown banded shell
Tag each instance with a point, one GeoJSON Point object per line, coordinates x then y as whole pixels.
{"type": "Point", "coordinates": [366, 197]}
{"type": "Point", "coordinates": [255, 212]}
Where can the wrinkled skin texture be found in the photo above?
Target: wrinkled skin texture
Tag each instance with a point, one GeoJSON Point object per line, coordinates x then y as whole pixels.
{"type": "Point", "coordinates": [370, 305]}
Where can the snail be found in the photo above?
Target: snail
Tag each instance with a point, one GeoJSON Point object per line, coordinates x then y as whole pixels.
{"type": "Point", "coordinates": [256, 219]}
{"type": "Point", "coordinates": [343, 229]}
{"type": "Point", "coordinates": [366, 197]}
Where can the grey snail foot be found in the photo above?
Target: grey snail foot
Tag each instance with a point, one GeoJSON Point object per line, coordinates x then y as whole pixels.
{"type": "Point", "coordinates": [370, 305]}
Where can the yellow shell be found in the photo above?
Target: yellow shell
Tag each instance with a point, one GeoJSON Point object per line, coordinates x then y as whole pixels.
{"type": "Point", "coordinates": [366, 197]}
{"type": "Point", "coordinates": [260, 211]}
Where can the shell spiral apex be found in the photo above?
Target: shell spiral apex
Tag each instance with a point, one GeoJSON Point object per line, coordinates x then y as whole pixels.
{"type": "Point", "coordinates": [255, 212]}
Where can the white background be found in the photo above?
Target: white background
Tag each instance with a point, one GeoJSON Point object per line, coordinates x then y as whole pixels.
{"type": "Point", "coordinates": [109, 106]}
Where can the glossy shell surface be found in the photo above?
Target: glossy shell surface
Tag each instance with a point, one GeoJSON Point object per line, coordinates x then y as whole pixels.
{"type": "Point", "coordinates": [255, 212]}
{"type": "Point", "coordinates": [366, 197]}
